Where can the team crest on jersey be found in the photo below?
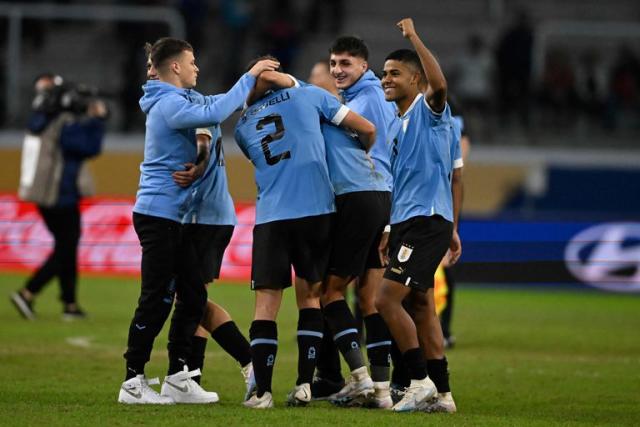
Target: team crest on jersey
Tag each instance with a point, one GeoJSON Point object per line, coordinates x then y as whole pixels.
{"type": "Point", "coordinates": [404, 253]}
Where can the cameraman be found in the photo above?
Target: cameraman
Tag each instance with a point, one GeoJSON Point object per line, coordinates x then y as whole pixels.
{"type": "Point", "coordinates": [66, 127]}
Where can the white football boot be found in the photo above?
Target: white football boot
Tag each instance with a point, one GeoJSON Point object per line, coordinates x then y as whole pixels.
{"type": "Point", "coordinates": [381, 396]}
{"type": "Point", "coordinates": [357, 391]}
{"type": "Point", "coordinates": [443, 403]}
{"type": "Point", "coordinates": [255, 402]}
{"type": "Point", "coordinates": [249, 380]}
{"type": "Point", "coordinates": [136, 391]}
{"type": "Point", "coordinates": [183, 389]}
{"type": "Point", "coordinates": [300, 395]}
{"type": "Point", "coordinates": [418, 392]}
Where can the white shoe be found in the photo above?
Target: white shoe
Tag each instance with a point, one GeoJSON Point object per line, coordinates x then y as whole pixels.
{"type": "Point", "coordinates": [255, 402]}
{"type": "Point", "coordinates": [182, 389]}
{"type": "Point", "coordinates": [357, 390]}
{"type": "Point", "coordinates": [24, 307]}
{"type": "Point", "coordinates": [418, 393]}
{"type": "Point", "coordinates": [443, 402]}
{"type": "Point", "coordinates": [136, 390]}
{"type": "Point", "coordinates": [300, 395]}
{"type": "Point", "coordinates": [249, 380]}
{"type": "Point", "coordinates": [381, 396]}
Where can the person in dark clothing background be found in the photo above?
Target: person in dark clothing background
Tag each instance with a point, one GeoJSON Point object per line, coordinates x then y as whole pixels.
{"type": "Point", "coordinates": [66, 127]}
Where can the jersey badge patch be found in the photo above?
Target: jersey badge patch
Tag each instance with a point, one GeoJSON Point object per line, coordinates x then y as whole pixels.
{"type": "Point", "coordinates": [404, 253]}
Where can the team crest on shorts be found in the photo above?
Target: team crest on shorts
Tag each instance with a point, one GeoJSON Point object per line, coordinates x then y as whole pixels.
{"type": "Point", "coordinates": [404, 253]}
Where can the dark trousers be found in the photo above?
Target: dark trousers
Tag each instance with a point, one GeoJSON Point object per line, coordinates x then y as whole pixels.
{"type": "Point", "coordinates": [64, 225]}
{"type": "Point", "coordinates": [169, 268]}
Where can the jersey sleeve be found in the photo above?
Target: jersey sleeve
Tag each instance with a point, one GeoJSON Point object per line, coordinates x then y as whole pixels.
{"type": "Point", "coordinates": [441, 117]}
{"type": "Point", "coordinates": [211, 99]}
{"type": "Point", "coordinates": [296, 82]}
{"type": "Point", "coordinates": [181, 113]}
{"type": "Point", "coordinates": [326, 104]}
{"type": "Point", "coordinates": [456, 151]}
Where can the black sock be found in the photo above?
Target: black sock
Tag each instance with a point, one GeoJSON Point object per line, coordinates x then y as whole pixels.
{"type": "Point", "coordinates": [229, 337]}
{"type": "Point", "coordinates": [328, 365]}
{"type": "Point", "coordinates": [345, 334]}
{"type": "Point", "coordinates": [378, 346]}
{"type": "Point", "coordinates": [176, 364]}
{"type": "Point", "coordinates": [264, 346]}
{"type": "Point", "coordinates": [309, 340]}
{"type": "Point", "coordinates": [133, 369]}
{"type": "Point", "coordinates": [439, 374]}
{"type": "Point", "coordinates": [399, 375]}
{"type": "Point", "coordinates": [196, 358]}
{"type": "Point", "coordinates": [416, 363]}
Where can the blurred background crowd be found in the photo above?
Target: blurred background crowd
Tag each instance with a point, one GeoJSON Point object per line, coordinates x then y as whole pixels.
{"type": "Point", "coordinates": [530, 73]}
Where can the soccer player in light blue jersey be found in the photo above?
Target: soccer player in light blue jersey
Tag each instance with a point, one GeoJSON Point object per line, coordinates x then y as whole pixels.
{"type": "Point", "coordinates": [208, 223]}
{"type": "Point", "coordinates": [426, 165]}
{"type": "Point", "coordinates": [169, 265]}
{"type": "Point", "coordinates": [280, 132]}
{"type": "Point", "coordinates": [363, 209]}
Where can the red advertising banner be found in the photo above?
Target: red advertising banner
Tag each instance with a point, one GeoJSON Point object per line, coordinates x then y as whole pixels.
{"type": "Point", "coordinates": [108, 244]}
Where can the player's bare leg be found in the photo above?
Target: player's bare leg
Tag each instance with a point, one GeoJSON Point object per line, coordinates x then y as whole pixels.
{"type": "Point", "coordinates": [403, 329]}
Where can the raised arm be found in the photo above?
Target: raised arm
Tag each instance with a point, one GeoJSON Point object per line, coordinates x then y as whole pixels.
{"type": "Point", "coordinates": [277, 79]}
{"type": "Point", "coordinates": [187, 115]}
{"type": "Point", "coordinates": [436, 94]}
{"type": "Point", "coordinates": [267, 80]}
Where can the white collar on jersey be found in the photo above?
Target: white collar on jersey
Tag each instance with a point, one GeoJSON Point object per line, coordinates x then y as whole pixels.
{"type": "Point", "coordinates": [413, 104]}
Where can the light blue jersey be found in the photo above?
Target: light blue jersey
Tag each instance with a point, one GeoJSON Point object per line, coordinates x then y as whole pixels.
{"type": "Point", "coordinates": [366, 98]}
{"type": "Point", "coordinates": [173, 114]}
{"type": "Point", "coordinates": [281, 135]}
{"type": "Point", "coordinates": [424, 150]}
{"type": "Point", "coordinates": [350, 168]}
{"type": "Point", "coordinates": [209, 201]}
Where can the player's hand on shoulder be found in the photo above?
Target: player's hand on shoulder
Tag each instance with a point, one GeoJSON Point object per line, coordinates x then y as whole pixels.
{"type": "Point", "coordinates": [407, 28]}
{"type": "Point", "coordinates": [264, 65]}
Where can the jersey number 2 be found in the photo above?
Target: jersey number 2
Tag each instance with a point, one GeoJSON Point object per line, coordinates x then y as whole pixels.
{"type": "Point", "coordinates": [276, 119]}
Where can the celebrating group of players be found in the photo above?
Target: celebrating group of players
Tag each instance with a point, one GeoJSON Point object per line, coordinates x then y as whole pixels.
{"type": "Point", "coordinates": [360, 184]}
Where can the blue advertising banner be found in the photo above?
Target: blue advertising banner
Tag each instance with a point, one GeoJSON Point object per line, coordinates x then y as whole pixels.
{"type": "Point", "coordinates": [605, 255]}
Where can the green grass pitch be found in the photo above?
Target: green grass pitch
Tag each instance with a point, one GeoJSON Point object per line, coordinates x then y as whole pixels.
{"type": "Point", "coordinates": [524, 358]}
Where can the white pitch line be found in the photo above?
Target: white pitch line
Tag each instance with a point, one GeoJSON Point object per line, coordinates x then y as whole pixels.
{"type": "Point", "coordinates": [83, 342]}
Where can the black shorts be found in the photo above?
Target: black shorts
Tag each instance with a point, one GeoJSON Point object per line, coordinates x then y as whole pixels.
{"type": "Point", "coordinates": [358, 225]}
{"type": "Point", "coordinates": [304, 243]}
{"type": "Point", "coordinates": [210, 242]}
{"type": "Point", "coordinates": [416, 247]}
